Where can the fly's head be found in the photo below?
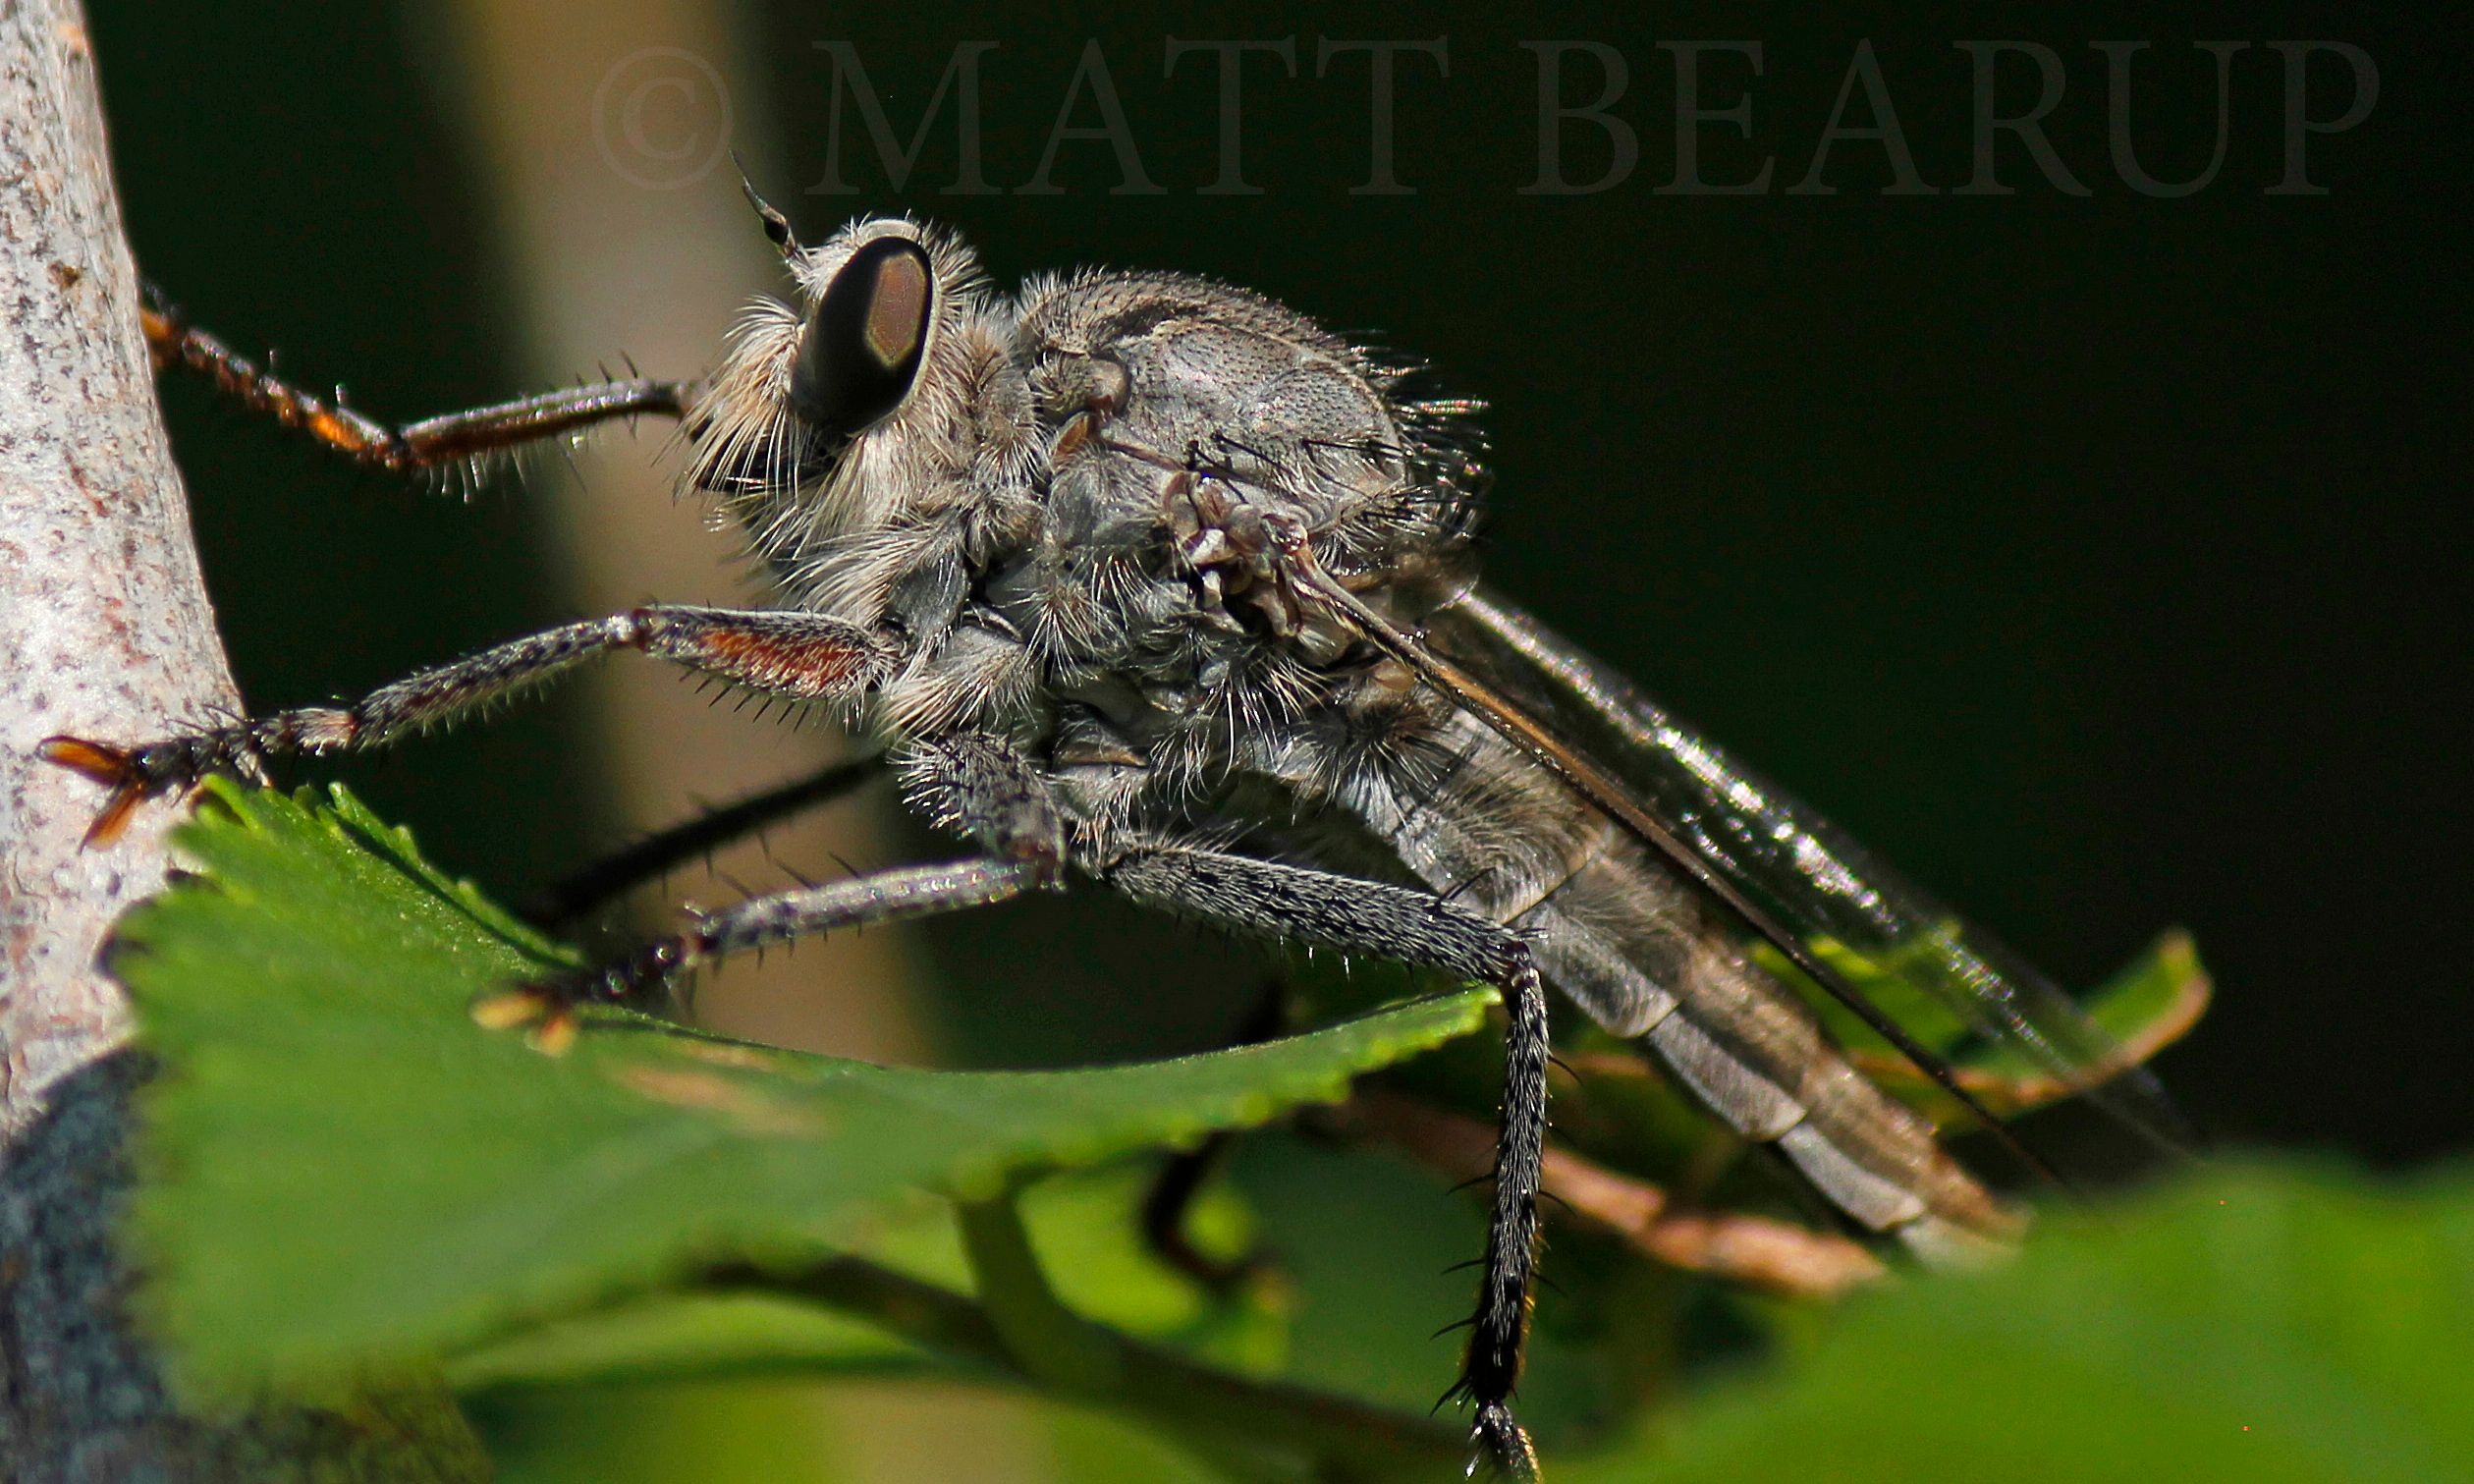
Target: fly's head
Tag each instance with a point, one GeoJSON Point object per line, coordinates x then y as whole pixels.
{"type": "Point", "coordinates": [886, 386]}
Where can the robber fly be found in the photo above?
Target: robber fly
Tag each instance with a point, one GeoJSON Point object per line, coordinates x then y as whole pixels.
{"type": "Point", "coordinates": [1149, 582]}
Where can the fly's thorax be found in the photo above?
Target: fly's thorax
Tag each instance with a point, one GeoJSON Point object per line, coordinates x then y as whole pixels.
{"type": "Point", "coordinates": [1183, 421]}
{"type": "Point", "coordinates": [1185, 425]}
{"type": "Point", "coordinates": [1144, 377]}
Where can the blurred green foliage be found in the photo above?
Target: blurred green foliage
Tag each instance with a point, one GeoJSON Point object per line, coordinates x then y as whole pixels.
{"type": "Point", "coordinates": [2265, 1322]}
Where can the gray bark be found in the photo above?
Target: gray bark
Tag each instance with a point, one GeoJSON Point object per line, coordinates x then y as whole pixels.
{"type": "Point", "coordinates": [104, 631]}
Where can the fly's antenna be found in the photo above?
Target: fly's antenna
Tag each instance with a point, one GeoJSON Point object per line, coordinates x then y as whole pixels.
{"type": "Point", "coordinates": [777, 227]}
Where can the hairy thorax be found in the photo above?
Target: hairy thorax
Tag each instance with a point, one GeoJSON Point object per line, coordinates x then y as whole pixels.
{"type": "Point", "coordinates": [1067, 533]}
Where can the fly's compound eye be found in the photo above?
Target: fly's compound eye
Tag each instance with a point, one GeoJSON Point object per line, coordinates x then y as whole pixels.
{"type": "Point", "coordinates": [862, 346]}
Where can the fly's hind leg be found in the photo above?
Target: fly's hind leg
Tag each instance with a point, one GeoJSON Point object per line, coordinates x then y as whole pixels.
{"type": "Point", "coordinates": [1417, 927]}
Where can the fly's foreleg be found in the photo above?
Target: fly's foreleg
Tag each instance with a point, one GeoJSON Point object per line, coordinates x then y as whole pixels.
{"type": "Point", "coordinates": [801, 657]}
{"type": "Point", "coordinates": [1378, 919]}
{"type": "Point", "coordinates": [433, 442]}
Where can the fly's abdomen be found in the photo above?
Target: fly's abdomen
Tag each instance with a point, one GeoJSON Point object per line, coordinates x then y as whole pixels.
{"type": "Point", "coordinates": [1646, 955]}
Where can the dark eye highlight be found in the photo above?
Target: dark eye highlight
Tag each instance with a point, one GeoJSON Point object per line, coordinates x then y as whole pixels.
{"type": "Point", "coordinates": [862, 346]}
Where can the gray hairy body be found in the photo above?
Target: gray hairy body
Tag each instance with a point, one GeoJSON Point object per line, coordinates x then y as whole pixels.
{"type": "Point", "coordinates": [1057, 528]}
{"type": "Point", "coordinates": [1150, 581]}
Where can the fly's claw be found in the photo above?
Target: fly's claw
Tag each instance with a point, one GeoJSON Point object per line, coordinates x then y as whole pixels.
{"type": "Point", "coordinates": [518, 1009]}
{"type": "Point", "coordinates": [1499, 1446]}
{"type": "Point", "coordinates": [132, 775]}
{"type": "Point", "coordinates": [1502, 1447]}
{"type": "Point", "coordinates": [545, 1017]}
{"type": "Point", "coordinates": [546, 1008]}
{"type": "Point", "coordinates": [170, 766]}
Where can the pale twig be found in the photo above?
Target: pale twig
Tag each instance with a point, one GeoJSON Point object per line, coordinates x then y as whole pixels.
{"type": "Point", "coordinates": [1775, 1256]}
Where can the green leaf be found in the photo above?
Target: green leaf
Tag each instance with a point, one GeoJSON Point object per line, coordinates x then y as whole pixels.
{"type": "Point", "coordinates": [689, 1337]}
{"type": "Point", "coordinates": [2258, 1325]}
{"type": "Point", "coordinates": [1887, 981]}
{"type": "Point", "coordinates": [2150, 1003]}
{"type": "Point", "coordinates": [1090, 1237]}
{"type": "Point", "coordinates": [344, 1169]}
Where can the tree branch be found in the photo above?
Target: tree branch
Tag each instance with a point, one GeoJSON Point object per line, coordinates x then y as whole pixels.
{"type": "Point", "coordinates": [107, 631]}
{"type": "Point", "coordinates": [104, 631]}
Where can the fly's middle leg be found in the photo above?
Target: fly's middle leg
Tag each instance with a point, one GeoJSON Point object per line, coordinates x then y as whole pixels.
{"type": "Point", "coordinates": [978, 784]}
{"type": "Point", "coordinates": [1379, 919]}
{"type": "Point", "coordinates": [894, 896]}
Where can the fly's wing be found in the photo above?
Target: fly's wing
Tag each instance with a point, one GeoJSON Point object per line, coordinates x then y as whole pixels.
{"type": "Point", "coordinates": [1795, 868]}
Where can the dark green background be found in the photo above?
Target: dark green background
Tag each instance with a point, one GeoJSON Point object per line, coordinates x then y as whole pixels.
{"type": "Point", "coordinates": [2097, 560]}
